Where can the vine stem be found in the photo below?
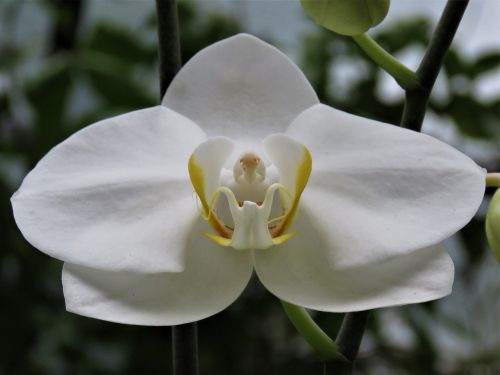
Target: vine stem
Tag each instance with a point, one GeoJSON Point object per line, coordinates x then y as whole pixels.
{"type": "Point", "coordinates": [322, 343]}
{"type": "Point", "coordinates": [185, 336]}
{"type": "Point", "coordinates": [417, 96]}
{"type": "Point", "coordinates": [428, 70]}
{"type": "Point", "coordinates": [405, 77]}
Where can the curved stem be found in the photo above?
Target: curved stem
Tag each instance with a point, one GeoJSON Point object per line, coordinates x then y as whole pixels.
{"type": "Point", "coordinates": [493, 180]}
{"type": "Point", "coordinates": [351, 333]}
{"type": "Point", "coordinates": [312, 333]}
{"type": "Point", "coordinates": [428, 70]}
{"type": "Point", "coordinates": [354, 324]}
{"type": "Point", "coordinates": [405, 77]}
{"type": "Point", "coordinates": [348, 341]}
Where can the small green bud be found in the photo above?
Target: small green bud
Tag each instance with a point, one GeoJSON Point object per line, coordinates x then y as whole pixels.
{"type": "Point", "coordinates": [347, 17]}
{"type": "Point", "coordinates": [493, 225]}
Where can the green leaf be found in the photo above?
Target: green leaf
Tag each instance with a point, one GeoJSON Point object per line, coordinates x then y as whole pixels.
{"type": "Point", "coordinates": [121, 44]}
{"type": "Point", "coordinates": [347, 17]}
{"type": "Point", "coordinates": [485, 64]}
{"type": "Point", "coordinates": [113, 81]}
{"type": "Point", "coordinates": [48, 92]}
{"type": "Point", "coordinates": [493, 225]}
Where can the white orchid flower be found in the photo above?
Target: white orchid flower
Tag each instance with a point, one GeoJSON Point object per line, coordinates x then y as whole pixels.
{"type": "Point", "coordinates": [334, 212]}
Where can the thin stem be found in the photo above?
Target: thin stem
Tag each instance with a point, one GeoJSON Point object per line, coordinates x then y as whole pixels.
{"type": "Point", "coordinates": [348, 341]}
{"type": "Point", "coordinates": [354, 324]}
{"type": "Point", "coordinates": [185, 336]}
{"type": "Point", "coordinates": [405, 77]}
{"type": "Point", "coordinates": [351, 333]}
{"type": "Point", "coordinates": [185, 349]}
{"type": "Point", "coordinates": [64, 33]}
{"type": "Point", "coordinates": [428, 70]}
{"type": "Point", "coordinates": [312, 333]}
{"type": "Point", "coordinates": [168, 41]}
{"type": "Point", "coordinates": [493, 180]}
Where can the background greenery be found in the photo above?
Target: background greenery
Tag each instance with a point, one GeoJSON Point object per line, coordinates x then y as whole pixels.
{"type": "Point", "coordinates": [89, 73]}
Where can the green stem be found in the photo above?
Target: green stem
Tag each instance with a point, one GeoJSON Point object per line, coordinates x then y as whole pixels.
{"type": "Point", "coordinates": [312, 333]}
{"type": "Point", "coordinates": [405, 77]}
{"type": "Point", "coordinates": [493, 180]}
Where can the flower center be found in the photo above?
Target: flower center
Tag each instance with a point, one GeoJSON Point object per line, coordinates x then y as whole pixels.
{"type": "Point", "coordinates": [249, 169]}
{"type": "Point", "coordinates": [250, 211]}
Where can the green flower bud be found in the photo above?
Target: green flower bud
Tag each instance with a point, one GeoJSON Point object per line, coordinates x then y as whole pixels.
{"type": "Point", "coordinates": [493, 225]}
{"type": "Point", "coordinates": [347, 17]}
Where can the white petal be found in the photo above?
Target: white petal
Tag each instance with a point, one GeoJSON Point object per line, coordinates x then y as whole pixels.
{"type": "Point", "coordinates": [381, 190]}
{"type": "Point", "coordinates": [288, 156]}
{"type": "Point", "coordinates": [213, 278]}
{"type": "Point", "coordinates": [301, 272]}
{"type": "Point", "coordinates": [206, 163]}
{"type": "Point", "coordinates": [116, 195]}
{"type": "Point", "coordinates": [240, 87]}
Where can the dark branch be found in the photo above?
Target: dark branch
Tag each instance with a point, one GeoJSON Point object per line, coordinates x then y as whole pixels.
{"type": "Point", "coordinates": [185, 336]}
{"type": "Point", "coordinates": [185, 349]}
{"type": "Point", "coordinates": [348, 341]}
{"type": "Point", "coordinates": [168, 41]}
{"type": "Point", "coordinates": [351, 333]}
{"type": "Point", "coordinates": [67, 19]}
{"type": "Point", "coordinates": [427, 72]}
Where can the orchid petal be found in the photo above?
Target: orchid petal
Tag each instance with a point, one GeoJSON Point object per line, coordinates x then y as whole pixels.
{"type": "Point", "coordinates": [301, 271]}
{"type": "Point", "coordinates": [293, 162]}
{"type": "Point", "coordinates": [240, 87]}
{"type": "Point", "coordinates": [212, 279]}
{"type": "Point", "coordinates": [205, 166]}
{"type": "Point", "coordinates": [381, 190]}
{"type": "Point", "coordinates": [115, 195]}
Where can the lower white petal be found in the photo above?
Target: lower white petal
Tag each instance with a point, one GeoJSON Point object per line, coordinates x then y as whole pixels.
{"type": "Point", "coordinates": [212, 279]}
{"type": "Point", "coordinates": [115, 195]}
{"type": "Point", "coordinates": [301, 272]}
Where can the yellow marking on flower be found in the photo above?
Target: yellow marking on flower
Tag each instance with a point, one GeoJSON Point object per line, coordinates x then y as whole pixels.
{"type": "Point", "coordinates": [285, 237]}
{"type": "Point", "coordinates": [301, 179]}
{"type": "Point", "coordinates": [218, 239]}
{"type": "Point", "coordinates": [198, 180]}
{"type": "Point", "coordinates": [197, 177]}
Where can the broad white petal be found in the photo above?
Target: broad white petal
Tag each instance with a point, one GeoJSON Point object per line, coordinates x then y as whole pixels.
{"type": "Point", "coordinates": [115, 195]}
{"type": "Point", "coordinates": [302, 272]}
{"type": "Point", "coordinates": [380, 190]}
{"type": "Point", "coordinates": [212, 279]}
{"type": "Point", "coordinates": [240, 87]}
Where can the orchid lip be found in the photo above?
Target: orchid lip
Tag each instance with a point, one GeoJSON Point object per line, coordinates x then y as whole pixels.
{"type": "Point", "coordinates": [258, 223]}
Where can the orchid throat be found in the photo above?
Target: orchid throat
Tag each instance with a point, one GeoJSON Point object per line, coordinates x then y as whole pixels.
{"type": "Point", "coordinates": [250, 210]}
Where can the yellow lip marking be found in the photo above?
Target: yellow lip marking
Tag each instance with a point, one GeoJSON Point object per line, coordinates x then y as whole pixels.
{"type": "Point", "coordinates": [198, 180]}
{"type": "Point", "coordinates": [301, 179]}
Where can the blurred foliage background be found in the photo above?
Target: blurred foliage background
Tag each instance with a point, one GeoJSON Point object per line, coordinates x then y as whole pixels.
{"type": "Point", "coordinates": [88, 73]}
